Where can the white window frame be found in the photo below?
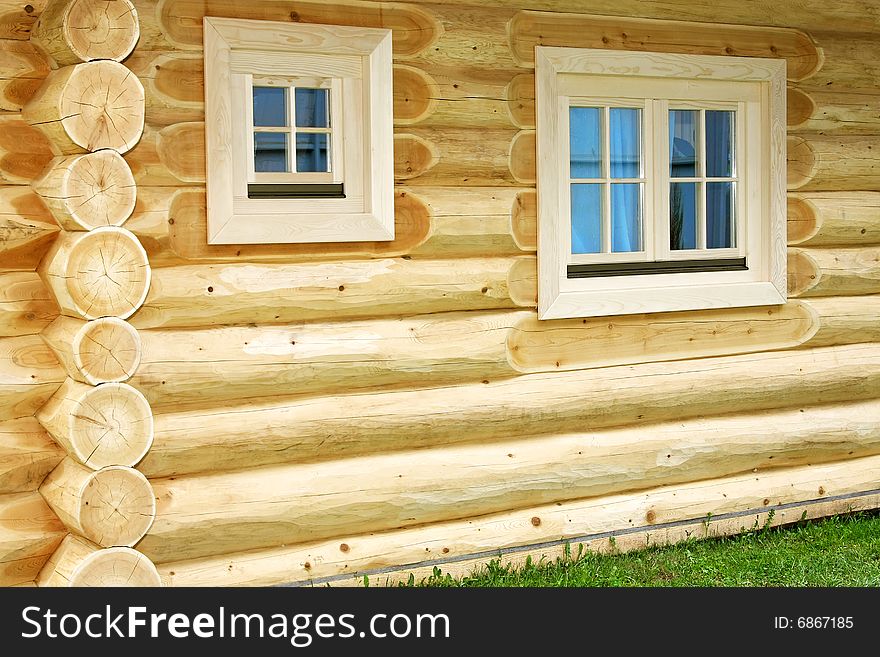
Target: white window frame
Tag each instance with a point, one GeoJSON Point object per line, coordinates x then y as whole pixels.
{"type": "Point", "coordinates": [355, 63]}
{"type": "Point", "coordinates": [755, 87]}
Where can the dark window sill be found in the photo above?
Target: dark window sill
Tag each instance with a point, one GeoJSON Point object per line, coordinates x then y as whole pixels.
{"type": "Point", "coordinates": [295, 190]}
{"type": "Point", "coordinates": [665, 267]}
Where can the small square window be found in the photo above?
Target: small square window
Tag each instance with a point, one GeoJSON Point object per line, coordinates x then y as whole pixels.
{"type": "Point", "coordinates": [298, 132]}
{"type": "Point", "coordinates": [661, 189]}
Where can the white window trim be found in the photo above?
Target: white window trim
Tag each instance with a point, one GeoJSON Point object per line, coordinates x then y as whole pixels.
{"type": "Point", "coordinates": [361, 59]}
{"type": "Point", "coordinates": [632, 73]}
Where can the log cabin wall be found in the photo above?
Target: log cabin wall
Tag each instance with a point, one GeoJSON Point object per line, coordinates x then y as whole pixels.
{"type": "Point", "coordinates": [302, 413]}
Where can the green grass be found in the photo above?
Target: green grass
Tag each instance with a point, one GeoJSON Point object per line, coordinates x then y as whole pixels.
{"type": "Point", "coordinates": [840, 551]}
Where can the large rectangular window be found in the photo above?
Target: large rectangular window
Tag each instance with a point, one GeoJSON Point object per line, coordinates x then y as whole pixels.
{"type": "Point", "coordinates": [665, 186]}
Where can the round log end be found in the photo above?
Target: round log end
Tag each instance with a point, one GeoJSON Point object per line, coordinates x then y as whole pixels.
{"type": "Point", "coordinates": [524, 220]}
{"type": "Point", "coordinates": [107, 274]}
{"type": "Point", "coordinates": [801, 162]}
{"type": "Point", "coordinates": [116, 567]}
{"type": "Point", "coordinates": [799, 107]}
{"type": "Point", "coordinates": [520, 94]}
{"type": "Point", "coordinates": [522, 157]}
{"type": "Point", "coordinates": [802, 220]}
{"type": "Point", "coordinates": [415, 95]}
{"type": "Point", "coordinates": [101, 29]}
{"type": "Point", "coordinates": [522, 283]}
{"type": "Point", "coordinates": [117, 507]}
{"type": "Point", "coordinates": [102, 106]}
{"type": "Point", "coordinates": [111, 424]}
{"type": "Point", "coordinates": [107, 350]}
{"type": "Point", "coordinates": [88, 191]}
{"type": "Point", "coordinates": [803, 273]}
{"type": "Point", "coordinates": [413, 156]}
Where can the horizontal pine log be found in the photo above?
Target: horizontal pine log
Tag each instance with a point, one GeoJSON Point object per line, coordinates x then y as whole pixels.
{"type": "Point", "coordinates": [29, 534]}
{"type": "Point", "coordinates": [834, 163]}
{"type": "Point", "coordinates": [25, 152]}
{"type": "Point", "coordinates": [79, 562]}
{"type": "Point", "coordinates": [26, 305]}
{"type": "Point", "coordinates": [210, 367]}
{"type": "Point", "coordinates": [830, 110]}
{"type": "Point", "coordinates": [528, 29]}
{"type": "Point", "coordinates": [22, 71]}
{"type": "Point", "coordinates": [834, 218]}
{"type": "Point", "coordinates": [175, 155]}
{"type": "Point", "coordinates": [113, 507]}
{"type": "Point", "coordinates": [73, 31]}
{"type": "Point", "coordinates": [297, 503]}
{"type": "Point", "coordinates": [203, 368]}
{"type": "Point", "coordinates": [210, 295]}
{"type": "Point", "coordinates": [29, 375]}
{"type": "Point", "coordinates": [430, 222]}
{"type": "Point", "coordinates": [27, 228]}
{"type": "Point", "coordinates": [845, 320]}
{"type": "Point", "coordinates": [424, 94]}
{"type": "Point", "coordinates": [27, 455]}
{"type": "Point", "coordinates": [164, 27]}
{"type": "Point", "coordinates": [634, 520]}
{"type": "Point", "coordinates": [833, 272]}
{"type": "Point", "coordinates": [557, 402]}
{"type": "Point", "coordinates": [99, 426]}
{"type": "Point", "coordinates": [180, 238]}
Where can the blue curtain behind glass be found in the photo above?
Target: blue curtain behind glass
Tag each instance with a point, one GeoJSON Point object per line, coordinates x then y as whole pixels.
{"type": "Point", "coordinates": [625, 198]}
{"type": "Point", "coordinates": [719, 134]}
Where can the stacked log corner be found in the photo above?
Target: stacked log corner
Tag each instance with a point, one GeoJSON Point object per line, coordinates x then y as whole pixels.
{"type": "Point", "coordinates": [90, 109]}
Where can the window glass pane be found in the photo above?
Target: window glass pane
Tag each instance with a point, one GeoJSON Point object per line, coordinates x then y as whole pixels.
{"type": "Point", "coordinates": [311, 108]}
{"type": "Point", "coordinates": [270, 151]}
{"type": "Point", "coordinates": [683, 147]}
{"type": "Point", "coordinates": [719, 144]}
{"type": "Point", "coordinates": [586, 142]}
{"type": "Point", "coordinates": [683, 216]}
{"type": "Point", "coordinates": [586, 218]}
{"type": "Point", "coordinates": [270, 107]}
{"type": "Point", "coordinates": [625, 142]}
{"type": "Point", "coordinates": [719, 215]}
{"type": "Point", "coordinates": [311, 152]}
{"type": "Point", "coordinates": [626, 217]}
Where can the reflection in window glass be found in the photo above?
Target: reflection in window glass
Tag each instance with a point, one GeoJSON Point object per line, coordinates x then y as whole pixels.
{"type": "Point", "coordinates": [270, 152]}
{"type": "Point", "coordinates": [585, 142]}
{"type": "Point", "coordinates": [626, 217]}
{"type": "Point", "coordinates": [683, 146]}
{"type": "Point", "coordinates": [312, 108]}
{"type": "Point", "coordinates": [719, 144]}
{"type": "Point", "coordinates": [311, 152]}
{"type": "Point", "coordinates": [586, 218]}
{"type": "Point", "coordinates": [625, 142]}
{"type": "Point", "coordinates": [719, 215]}
{"type": "Point", "coordinates": [682, 216]}
{"type": "Point", "coordinates": [270, 107]}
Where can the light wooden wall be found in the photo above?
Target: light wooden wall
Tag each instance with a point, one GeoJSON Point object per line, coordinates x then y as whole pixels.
{"type": "Point", "coordinates": [407, 387]}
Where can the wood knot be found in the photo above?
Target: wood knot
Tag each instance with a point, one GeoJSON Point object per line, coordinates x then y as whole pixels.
{"type": "Point", "coordinates": [307, 565]}
{"type": "Point", "coordinates": [821, 490]}
{"type": "Point", "coordinates": [294, 16]}
{"type": "Point", "coordinates": [728, 50]}
{"type": "Point", "coordinates": [171, 221]}
{"type": "Point", "coordinates": [484, 290]}
{"type": "Point", "coordinates": [651, 516]}
{"type": "Point", "coordinates": [29, 9]}
{"type": "Point", "coordinates": [536, 521]}
{"type": "Point", "coordinates": [210, 289]}
{"type": "Point", "coordinates": [445, 550]}
{"type": "Point", "coordinates": [344, 547]}
{"type": "Point", "coordinates": [766, 501]}
{"type": "Point", "coordinates": [342, 288]}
